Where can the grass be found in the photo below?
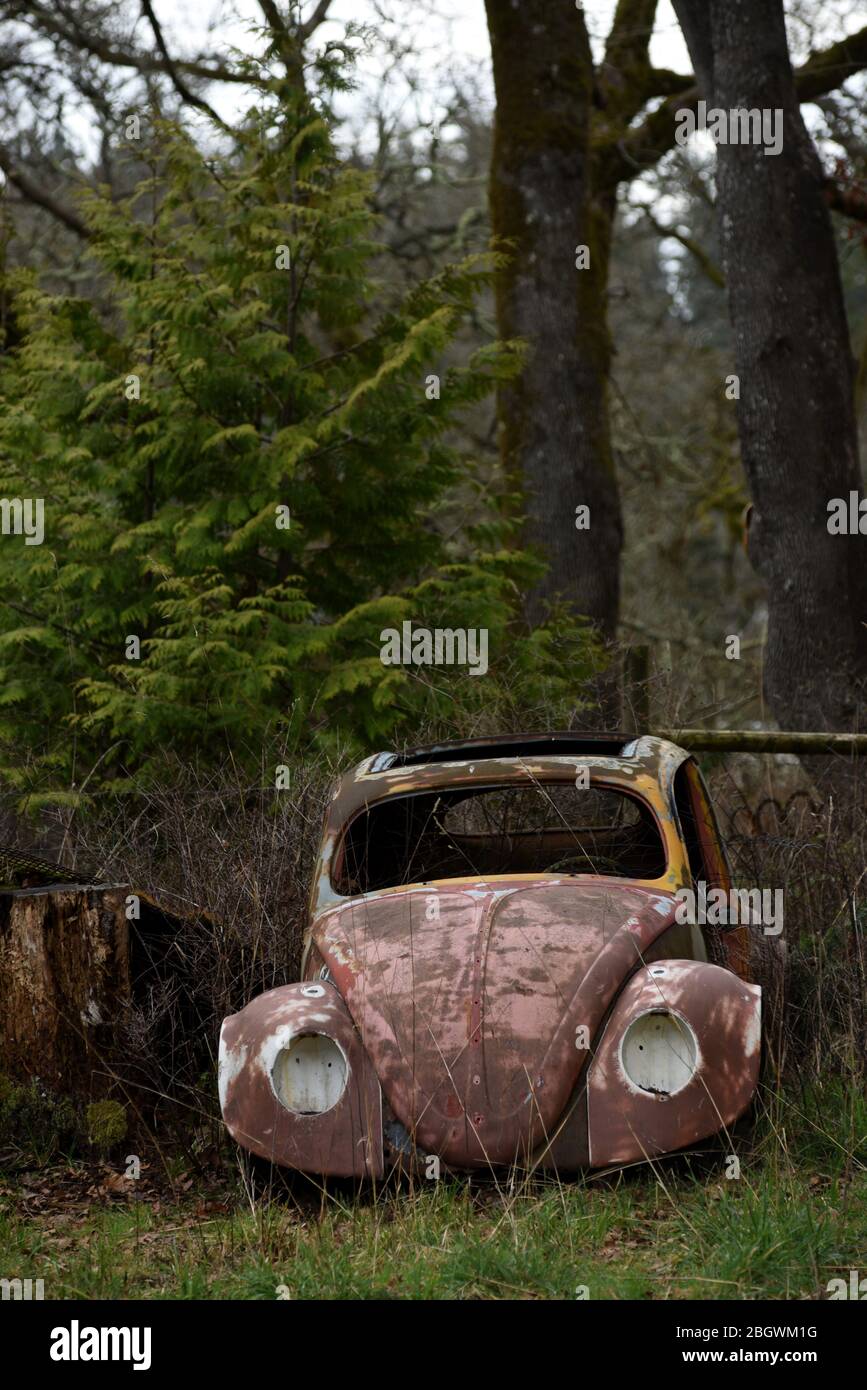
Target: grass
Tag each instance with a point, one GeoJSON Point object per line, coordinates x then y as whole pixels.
{"type": "Point", "coordinates": [795, 1218]}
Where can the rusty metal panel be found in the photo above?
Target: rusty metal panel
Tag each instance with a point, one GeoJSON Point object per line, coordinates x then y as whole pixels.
{"type": "Point", "coordinates": [718, 1041]}
{"type": "Point", "coordinates": [471, 1019]}
{"type": "Point", "coordinates": [735, 940]}
{"type": "Point", "coordinates": [567, 1148]}
{"type": "Point", "coordinates": [345, 1140]}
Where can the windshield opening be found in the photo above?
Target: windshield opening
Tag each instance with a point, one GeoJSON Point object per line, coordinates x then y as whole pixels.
{"type": "Point", "coordinates": [479, 832]}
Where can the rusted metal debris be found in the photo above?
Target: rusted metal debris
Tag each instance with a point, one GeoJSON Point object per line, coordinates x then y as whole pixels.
{"type": "Point", "coordinates": [488, 981]}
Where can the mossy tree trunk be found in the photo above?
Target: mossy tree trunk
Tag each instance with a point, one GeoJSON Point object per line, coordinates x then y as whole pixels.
{"type": "Point", "coordinates": [796, 413]}
{"type": "Point", "coordinates": [564, 141]}
{"type": "Point", "coordinates": [566, 138]}
{"type": "Point", "coordinates": [555, 436]}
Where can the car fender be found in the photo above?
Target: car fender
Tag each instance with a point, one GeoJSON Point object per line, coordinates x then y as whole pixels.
{"type": "Point", "coordinates": [678, 1061]}
{"type": "Point", "coordinates": [345, 1140]}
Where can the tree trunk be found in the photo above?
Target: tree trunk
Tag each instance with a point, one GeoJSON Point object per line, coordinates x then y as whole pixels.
{"type": "Point", "coordinates": [796, 413]}
{"type": "Point", "coordinates": [555, 435]}
{"type": "Point", "coordinates": [64, 979]}
{"type": "Point", "coordinates": [72, 966]}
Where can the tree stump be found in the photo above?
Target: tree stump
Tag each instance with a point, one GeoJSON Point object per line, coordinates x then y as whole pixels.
{"type": "Point", "coordinates": [64, 979]}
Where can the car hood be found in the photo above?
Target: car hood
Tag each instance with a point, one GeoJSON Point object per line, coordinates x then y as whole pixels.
{"type": "Point", "coordinates": [476, 1004]}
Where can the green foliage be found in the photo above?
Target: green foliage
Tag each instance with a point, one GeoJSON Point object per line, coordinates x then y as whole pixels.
{"type": "Point", "coordinates": [259, 387]}
{"type": "Point", "coordinates": [106, 1123]}
{"type": "Point", "coordinates": [33, 1121]}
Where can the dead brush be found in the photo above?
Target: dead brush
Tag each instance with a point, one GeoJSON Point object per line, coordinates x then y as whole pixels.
{"type": "Point", "coordinates": [818, 857]}
{"type": "Point", "coordinates": [231, 858]}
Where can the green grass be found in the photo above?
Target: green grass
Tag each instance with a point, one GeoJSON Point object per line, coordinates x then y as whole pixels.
{"type": "Point", "coordinates": [795, 1218]}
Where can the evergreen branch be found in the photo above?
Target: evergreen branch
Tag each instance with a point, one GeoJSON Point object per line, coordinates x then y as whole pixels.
{"type": "Point", "coordinates": [57, 627]}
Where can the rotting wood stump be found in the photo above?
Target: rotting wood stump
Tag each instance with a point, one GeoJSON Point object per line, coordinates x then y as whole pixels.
{"type": "Point", "coordinates": [71, 963]}
{"type": "Point", "coordinates": [64, 979]}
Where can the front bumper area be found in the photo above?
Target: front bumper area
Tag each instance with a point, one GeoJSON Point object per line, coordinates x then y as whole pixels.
{"type": "Point", "coordinates": [677, 1061]}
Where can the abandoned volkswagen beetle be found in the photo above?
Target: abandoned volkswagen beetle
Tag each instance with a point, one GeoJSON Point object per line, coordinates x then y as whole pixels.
{"type": "Point", "coordinates": [494, 970]}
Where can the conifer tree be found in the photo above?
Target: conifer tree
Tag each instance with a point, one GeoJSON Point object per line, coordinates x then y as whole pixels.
{"type": "Point", "coordinates": [241, 470]}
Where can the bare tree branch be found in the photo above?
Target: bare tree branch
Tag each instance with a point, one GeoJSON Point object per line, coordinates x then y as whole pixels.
{"type": "Point", "coordinates": [848, 199]}
{"type": "Point", "coordinates": [644, 145]}
{"type": "Point", "coordinates": [827, 70]}
{"type": "Point", "coordinates": [707, 264]}
{"type": "Point", "coordinates": [180, 86]}
{"type": "Point", "coordinates": [662, 82]}
{"type": "Point", "coordinates": [58, 23]}
{"type": "Point", "coordinates": [41, 197]}
{"type": "Point", "coordinates": [275, 20]}
{"type": "Point", "coordinates": [621, 78]}
{"type": "Point", "coordinates": [629, 35]}
{"type": "Point", "coordinates": [319, 15]}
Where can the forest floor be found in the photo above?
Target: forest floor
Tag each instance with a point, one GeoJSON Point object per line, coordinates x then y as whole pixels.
{"type": "Point", "coordinates": [794, 1219]}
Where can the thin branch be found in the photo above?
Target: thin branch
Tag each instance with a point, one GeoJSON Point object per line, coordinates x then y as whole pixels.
{"type": "Point", "coordinates": [275, 20]}
{"type": "Point", "coordinates": [287, 41]}
{"type": "Point", "coordinates": [180, 86]}
{"type": "Point", "coordinates": [64, 26]}
{"type": "Point", "coordinates": [706, 262]}
{"type": "Point", "coordinates": [42, 198]}
{"type": "Point", "coordinates": [319, 16]}
{"type": "Point", "coordinates": [58, 627]}
{"type": "Point", "coordinates": [848, 199]}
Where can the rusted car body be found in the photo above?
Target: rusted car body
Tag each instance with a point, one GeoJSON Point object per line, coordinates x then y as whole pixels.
{"type": "Point", "coordinates": [494, 973]}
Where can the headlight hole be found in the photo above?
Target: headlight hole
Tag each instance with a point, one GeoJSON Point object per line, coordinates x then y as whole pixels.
{"type": "Point", "coordinates": [309, 1076]}
{"type": "Point", "coordinates": [659, 1053]}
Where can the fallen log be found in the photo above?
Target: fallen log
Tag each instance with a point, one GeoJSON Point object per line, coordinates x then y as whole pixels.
{"type": "Point", "coordinates": [765, 741]}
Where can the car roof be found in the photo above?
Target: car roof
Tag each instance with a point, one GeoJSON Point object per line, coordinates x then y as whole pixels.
{"type": "Point", "coordinates": [559, 742]}
{"type": "Point", "coordinates": [617, 758]}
